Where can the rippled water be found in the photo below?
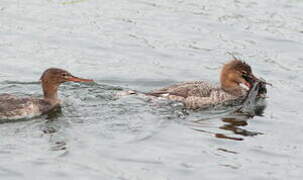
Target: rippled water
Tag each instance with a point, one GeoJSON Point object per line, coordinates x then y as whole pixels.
{"type": "Point", "coordinates": [144, 45]}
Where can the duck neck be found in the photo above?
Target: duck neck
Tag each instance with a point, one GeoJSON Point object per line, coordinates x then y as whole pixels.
{"type": "Point", "coordinates": [50, 92]}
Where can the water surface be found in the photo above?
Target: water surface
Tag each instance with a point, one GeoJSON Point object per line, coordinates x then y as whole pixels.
{"type": "Point", "coordinates": [144, 45]}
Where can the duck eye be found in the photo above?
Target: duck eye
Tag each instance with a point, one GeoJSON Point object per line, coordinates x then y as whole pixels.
{"type": "Point", "coordinates": [64, 74]}
{"type": "Point", "coordinates": [244, 73]}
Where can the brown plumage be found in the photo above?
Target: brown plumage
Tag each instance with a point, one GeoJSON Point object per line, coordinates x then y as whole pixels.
{"type": "Point", "coordinates": [12, 107]}
{"type": "Point", "coordinates": [235, 80]}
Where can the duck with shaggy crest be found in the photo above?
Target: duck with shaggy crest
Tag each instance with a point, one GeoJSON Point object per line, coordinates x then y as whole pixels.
{"type": "Point", "coordinates": [236, 80]}
{"type": "Point", "coordinates": [13, 107]}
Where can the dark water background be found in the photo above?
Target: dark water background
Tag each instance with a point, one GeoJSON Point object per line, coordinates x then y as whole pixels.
{"type": "Point", "coordinates": [144, 45]}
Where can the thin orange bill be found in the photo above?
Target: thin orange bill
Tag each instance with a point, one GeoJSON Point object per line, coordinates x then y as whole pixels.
{"type": "Point", "coordinates": [76, 79]}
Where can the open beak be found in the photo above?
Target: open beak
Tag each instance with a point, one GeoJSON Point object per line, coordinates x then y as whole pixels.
{"type": "Point", "coordinates": [76, 79]}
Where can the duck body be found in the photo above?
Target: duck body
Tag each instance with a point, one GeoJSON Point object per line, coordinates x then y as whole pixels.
{"type": "Point", "coordinates": [199, 94]}
{"type": "Point", "coordinates": [14, 108]}
{"type": "Point", "coordinates": [236, 81]}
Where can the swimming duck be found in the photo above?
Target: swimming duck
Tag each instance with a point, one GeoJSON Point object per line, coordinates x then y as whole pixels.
{"type": "Point", "coordinates": [12, 107]}
{"type": "Point", "coordinates": [236, 79]}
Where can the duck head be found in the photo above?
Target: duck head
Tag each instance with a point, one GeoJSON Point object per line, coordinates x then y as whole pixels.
{"type": "Point", "coordinates": [53, 77]}
{"type": "Point", "coordinates": [237, 75]}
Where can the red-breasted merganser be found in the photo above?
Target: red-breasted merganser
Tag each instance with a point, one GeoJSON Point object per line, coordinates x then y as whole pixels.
{"type": "Point", "coordinates": [236, 80]}
{"type": "Point", "coordinates": [12, 107]}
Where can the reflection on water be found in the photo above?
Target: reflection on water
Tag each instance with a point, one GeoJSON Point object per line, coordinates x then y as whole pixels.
{"type": "Point", "coordinates": [236, 118]}
{"type": "Point", "coordinates": [236, 125]}
{"type": "Point", "coordinates": [234, 122]}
